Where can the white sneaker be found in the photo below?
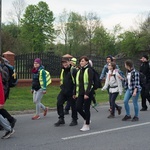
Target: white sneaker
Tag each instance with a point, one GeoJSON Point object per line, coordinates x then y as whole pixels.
{"type": "Point", "coordinates": [85, 128]}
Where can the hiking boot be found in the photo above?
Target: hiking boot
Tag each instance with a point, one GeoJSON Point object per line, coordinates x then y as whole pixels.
{"type": "Point", "coordinates": [45, 111]}
{"type": "Point", "coordinates": [126, 118]}
{"type": "Point", "coordinates": [8, 134]}
{"type": "Point", "coordinates": [119, 110]}
{"type": "Point", "coordinates": [36, 117]}
{"type": "Point", "coordinates": [66, 112]}
{"type": "Point", "coordinates": [59, 122]}
{"type": "Point", "coordinates": [135, 119]}
{"type": "Point", "coordinates": [111, 116]}
{"type": "Point", "coordinates": [85, 128]}
{"type": "Point", "coordinates": [12, 124]}
{"type": "Point", "coordinates": [143, 109]}
{"type": "Point", "coordinates": [73, 123]}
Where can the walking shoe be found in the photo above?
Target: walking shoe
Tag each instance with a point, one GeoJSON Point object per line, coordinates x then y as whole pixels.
{"type": "Point", "coordinates": [111, 116]}
{"type": "Point", "coordinates": [119, 110]}
{"type": "Point", "coordinates": [126, 118]}
{"type": "Point", "coordinates": [143, 109]}
{"type": "Point", "coordinates": [135, 119]}
{"type": "Point", "coordinates": [45, 111]}
{"type": "Point", "coordinates": [36, 117]}
{"type": "Point", "coordinates": [73, 123]}
{"type": "Point", "coordinates": [12, 124]}
{"type": "Point", "coordinates": [59, 122]}
{"type": "Point", "coordinates": [85, 128]}
{"type": "Point", "coordinates": [8, 134]}
{"type": "Point", "coordinates": [66, 112]}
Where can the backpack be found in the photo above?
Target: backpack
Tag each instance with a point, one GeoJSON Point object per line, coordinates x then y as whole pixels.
{"type": "Point", "coordinates": [142, 79]}
{"type": "Point", "coordinates": [96, 80]}
{"type": "Point", "coordinates": [48, 77]}
{"type": "Point", "coordinates": [13, 80]}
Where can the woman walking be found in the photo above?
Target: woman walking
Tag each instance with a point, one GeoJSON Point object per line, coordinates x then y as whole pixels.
{"type": "Point", "coordinates": [114, 83]}
{"type": "Point", "coordinates": [84, 83]}
{"type": "Point", "coordinates": [38, 89]}
{"type": "Point", "coordinates": [133, 88]}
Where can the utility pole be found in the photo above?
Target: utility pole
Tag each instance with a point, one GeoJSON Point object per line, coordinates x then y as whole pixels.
{"type": "Point", "coordinates": [0, 27]}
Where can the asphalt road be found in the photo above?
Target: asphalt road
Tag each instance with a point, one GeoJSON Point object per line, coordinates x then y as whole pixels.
{"type": "Point", "coordinates": [105, 134]}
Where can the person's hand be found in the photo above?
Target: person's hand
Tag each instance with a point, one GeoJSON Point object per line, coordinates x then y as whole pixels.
{"type": "Point", "coordinates": [1, 106]}
{"type": "Point", "coordinates": [134, 94]}
{"type": "Point", "coordinates": [32, 91]}
{"type": "Point", "coordinates": [86, 97]}
{"type": "Point", "coordinates": [44, 92]}
{"type": "Point", "coordinates": [74, 96]}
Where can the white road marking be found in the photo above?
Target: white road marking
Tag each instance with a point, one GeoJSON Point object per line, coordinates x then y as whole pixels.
{"type": "Point", "coordinates": [104, 131]}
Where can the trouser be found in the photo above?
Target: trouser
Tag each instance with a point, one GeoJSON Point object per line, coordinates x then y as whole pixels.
{"type": "Point", "coordinates": [112, 99]}
{"type": "Point", "coordinates": [4, 123]}
{"type": "Point", "coordinates": [68, 105]}
{"type": "Point", "coordinates": [37, 97]}
{"type": "Point", "coordinates": [61, 99]}
{"type": "Point", "coordinates": [127, 97]}
{"type": "Point", "coordinates": [145, 95]}
{"type": "Point", "coordinates": [83, 107]}
{"type": "Point", "coordinates": [6, 115]}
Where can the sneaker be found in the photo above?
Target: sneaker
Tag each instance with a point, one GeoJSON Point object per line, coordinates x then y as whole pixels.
{"type": "Point", "coordinates": [59, 122]}
{"type": "Point", "coordinates": [135, 119]}
{"type": "Point", "coordinates": [45, 111]}
{"type": "Point", "coordinates": [73, 123]}
{"type": "Point", "coordinates": [66, 112]}
{"type": "Point", "coordinates": [119, 110]}
{"type": "Point", "coordinates": [36, 117]}
{"type": "Point", "coordinates": [8, 134]}
{"type": "Point", "coordinates": [12, 124]}
{"type": "Point", "coordinates": [85, 128]}
{"type": "Point", "coordinates": [111, 116]}
{"type": "Point", "coordinates": [126, 118]}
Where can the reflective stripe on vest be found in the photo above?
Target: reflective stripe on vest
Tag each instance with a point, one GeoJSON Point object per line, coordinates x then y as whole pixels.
{"type": "Point", "coordinates": [61, 77]}
{"type": "Point", "coordinates": [48, 79]}
{"type": "Point", "coordinates": [85, 80]}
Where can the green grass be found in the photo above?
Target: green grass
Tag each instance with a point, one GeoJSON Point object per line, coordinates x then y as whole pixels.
{"type": "Point", "coordinates": [21, 98]}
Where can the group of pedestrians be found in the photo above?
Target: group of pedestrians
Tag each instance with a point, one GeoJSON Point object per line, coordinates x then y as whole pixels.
{"type": "Point", "coordinates": [76, 90]}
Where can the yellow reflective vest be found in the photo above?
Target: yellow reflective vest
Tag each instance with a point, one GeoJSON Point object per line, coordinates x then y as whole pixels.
{"type": "Point", "coordinates": [85, 81]}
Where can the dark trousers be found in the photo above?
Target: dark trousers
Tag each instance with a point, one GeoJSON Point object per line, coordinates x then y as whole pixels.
{"type": "Point", "coordinates": [83, 107]}
{"type": "Point", "coordinates": [112, 99]}
{"type": "Point", "coordinates": [61, 99]}
{"type": "Point", "coordinates": [6, 115]}
{"type": "Point", "coordinates": [68, 105]}
{"type": "Point", "coordinates": [145, 95]}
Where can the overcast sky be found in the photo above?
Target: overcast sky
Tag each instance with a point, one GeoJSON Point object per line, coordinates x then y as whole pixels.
{"type": "Point", "coordinates": [111, 12]}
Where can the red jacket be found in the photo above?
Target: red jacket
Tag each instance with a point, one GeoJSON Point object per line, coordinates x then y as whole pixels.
{"type": "Point", "coordinates": [1, 92]}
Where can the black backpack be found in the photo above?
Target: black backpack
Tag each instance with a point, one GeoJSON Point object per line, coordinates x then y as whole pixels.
{"type": "Point", "coordinates": [13, 80]}
{"type": "Point", "coordinates": [96, 80]}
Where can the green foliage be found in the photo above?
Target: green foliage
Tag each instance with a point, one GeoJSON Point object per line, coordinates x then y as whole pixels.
{"type": "Point", "coordinates": [37, 26]}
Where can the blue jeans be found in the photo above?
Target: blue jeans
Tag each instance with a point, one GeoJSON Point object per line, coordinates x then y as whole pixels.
{"type": "Point", "coordinates": [127, 97]}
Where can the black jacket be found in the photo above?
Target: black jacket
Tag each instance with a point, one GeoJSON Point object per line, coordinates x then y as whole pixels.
{"type": "Point", "coordinates": [145, 69]}
{"type": "Point", "coordinates": [68, 86]}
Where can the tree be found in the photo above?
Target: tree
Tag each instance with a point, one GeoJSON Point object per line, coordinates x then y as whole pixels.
{"type": "Point", "coordinates": [15, 14]}
{"type": "Point", "coordinates": [37, 26]}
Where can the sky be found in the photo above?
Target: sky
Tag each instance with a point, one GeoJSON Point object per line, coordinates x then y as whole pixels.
{"type": "Point", "coordinates": [111, 12]}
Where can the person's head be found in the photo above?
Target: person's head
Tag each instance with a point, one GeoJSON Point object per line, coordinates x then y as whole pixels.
{"type": "Point", "coordinates": [73, 61]}
{"type": "Point", "coordinates": [129, 64]}
{"type": "Point", "coordinates": [109, 59]}
{"type": "Point", "coordinates": [65, 62]}
{"type": "Point", "coordinates": [144, 58]}
{"type": "Point", "coordinates": [83, 61]}
{"type": "Point", "coordinates": [112, 66]}
{"type": "Point", "coordinates": [37, 63]}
